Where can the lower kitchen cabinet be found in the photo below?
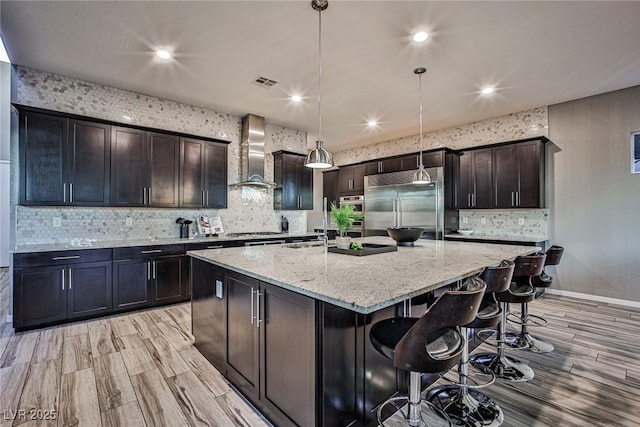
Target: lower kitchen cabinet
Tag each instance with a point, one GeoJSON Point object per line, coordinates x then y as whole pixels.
{"type": "Point", "coordinates": [57, 286]}
{"type": "Point", "coordinates": [131, 284]}
{"type": "Point", "coordinates": [271, 349]}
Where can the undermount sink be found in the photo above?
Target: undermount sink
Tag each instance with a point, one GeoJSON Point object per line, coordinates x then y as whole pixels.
{"type": "Point", "coordinates": [303, 245]}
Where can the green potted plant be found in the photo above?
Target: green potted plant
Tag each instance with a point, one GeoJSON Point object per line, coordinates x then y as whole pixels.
{"type": "Point", "coordinates": [343, 217]}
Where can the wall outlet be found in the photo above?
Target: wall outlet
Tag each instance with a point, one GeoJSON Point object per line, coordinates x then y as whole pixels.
{"type": "Point", "coordinates": [520, 221]}
{"type": "Point", "coordinates": [483, 220]}
{"type": "Point", "coordinates": [128, 221]}
{"type": "Point", "coordinates": [219, 289]}
{"type": "Point", "coordinates": [57, 221]}
{"type": "Point", "coordinates": [465, 220]}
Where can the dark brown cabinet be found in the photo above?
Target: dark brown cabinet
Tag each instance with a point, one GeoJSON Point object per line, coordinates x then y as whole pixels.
{"type": "Point", "coordinates": [63, 161]}
{"type": "Point", "coordinates": [475, 184]}
{"type": "Point", "coordinates": [263, 323]}
{"type": "Point", "coordinates": [351, 179]}
{"type": "Point", "coordinates": [146, 276]}
{"type": "Point", "coordinates": [203, 174]}
{"type": "Point", "coordinates": [518, 175]}
{"type": "Point", "coordinates": [55, 286]}
{"type": "Point", "coordinates": [330, 187]}
{"type": "Point", "coordinates": [144, 168]}
{"type": "Point", "coordinates": [432, 159]}
{"type": "Point", "coordinates": [295, 182]}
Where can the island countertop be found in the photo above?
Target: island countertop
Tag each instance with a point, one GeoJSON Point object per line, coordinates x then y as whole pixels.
{"type": "Point", "coordinates": [363, 284]}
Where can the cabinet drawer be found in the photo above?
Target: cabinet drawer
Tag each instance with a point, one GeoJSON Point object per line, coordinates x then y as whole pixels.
{"type": "Point", "coordinates": [214, 245]}
{"type": "Point", "coordinates": [147, 251]}
{"type": "Point", "coordinates": [61, 257]}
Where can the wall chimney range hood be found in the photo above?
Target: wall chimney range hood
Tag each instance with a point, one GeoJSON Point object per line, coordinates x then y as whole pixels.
{"type": "Point", "coordinates": [252, 153]}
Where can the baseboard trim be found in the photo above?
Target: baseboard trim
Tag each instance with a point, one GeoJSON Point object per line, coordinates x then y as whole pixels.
{"type": "Point", "coordinates": [589, 297]}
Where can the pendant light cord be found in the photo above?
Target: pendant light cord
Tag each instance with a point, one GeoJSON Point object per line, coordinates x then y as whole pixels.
{"type": "Point", "coordinates": [420, 86]}
{"type": "Point", "coordinates": [319, 74]}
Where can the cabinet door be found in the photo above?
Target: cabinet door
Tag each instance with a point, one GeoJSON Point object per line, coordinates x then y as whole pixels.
{"type": "Point", "coordinates": [89, 163]}
{"type": "Point", "coordinates": [128, 167]}
{"type": "Point", "coordinates": [389, 165]}
{"type": "Point", "coordinates": [358, 179]}
{"type": "Point", "coordinates": [289, 182]}
{"type": "Point", "coordinates": [433, 159]}
{"type": "Point", "coordinates": [345, 179]}
{"type": "Point", "coordinates": [39, 295]}
{"type": "Point", "coordinates": [191, 173]}
{"type": "Point", "coordinates": [215, 175]}
{"type": "Point", "coordinates": [330, 187]}
{"type": "Point", "coordinates": [465, 180]}
{"type": "Point", "coordinates": [168, 279]}
{"type": "Point", "coordinates": [43, 159]}
{"type": "Point", "coordinates": [287, 385]}
{"type": "Point", "coordinates": [164, 169]}
{"type": "Point", "coordinates": [242, 333]}
{"type": "Point", "coordinates": [209, 309]}
{"type": "Point", "coordinates": [530, 174]}
{"type": "Point", "coordinates": [372, 168]}
{"type": "Point", "coordinates": [505, 170]}
{"type": "Point", "coordinates": [483, 181]}
{"type": "Point", "coordinates": [409, 162]}
{"type": "Point", "coordinates": [89, 292]}
{"type": "Point", "coordinates": [131, 282]}
{"type": "Point", "coordinates": [305, 185]}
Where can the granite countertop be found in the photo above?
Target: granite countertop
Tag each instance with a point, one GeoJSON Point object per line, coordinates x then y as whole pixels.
{"type": "Point", "coordinates": [104, 244]}
{"type": "Point", "coordinates": [363, 283]}
{"type": "Point", "coordinates": [504, 237]}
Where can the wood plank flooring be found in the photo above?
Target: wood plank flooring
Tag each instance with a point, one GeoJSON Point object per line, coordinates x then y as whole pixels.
{"type": "Point", "coordinates": [142, 369]}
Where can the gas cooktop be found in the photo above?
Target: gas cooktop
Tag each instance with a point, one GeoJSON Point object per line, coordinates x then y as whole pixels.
{"type": "Point", "coordinates": [253, 233]}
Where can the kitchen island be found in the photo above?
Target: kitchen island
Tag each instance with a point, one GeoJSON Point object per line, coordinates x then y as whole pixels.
{"type": "Point", "coordinates": [288, 325]}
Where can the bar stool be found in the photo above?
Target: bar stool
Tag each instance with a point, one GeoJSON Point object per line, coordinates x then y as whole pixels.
{"type": "Point", "coordinates": [523, 340]}
{"type": "Point", "coordinates": [429, 344]}
{"type": "Point", "coordinates": [503, 366]}
{"type": "Point", "coordinates": [554, 255]}
{"type": "Point", "coordinates": [461, 401]}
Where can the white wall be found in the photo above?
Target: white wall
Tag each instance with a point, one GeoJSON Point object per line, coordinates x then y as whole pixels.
{"type": "Point", "coordinates": [595, 200]}
{"type": "Point", "coordinates": [5, 132]}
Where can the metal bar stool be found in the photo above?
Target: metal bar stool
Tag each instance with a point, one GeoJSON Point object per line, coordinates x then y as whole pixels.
{"type": "Point", "coordinates": [429, 344]}
{"type": "Point", "coordinates": [503, 366]}
{"type": "Point", "coordinates": [465, 405]}
{"type": "Point", "coordinates": [523, 340]}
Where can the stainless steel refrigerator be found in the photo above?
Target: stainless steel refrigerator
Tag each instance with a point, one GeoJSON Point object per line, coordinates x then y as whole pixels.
{"type": "Point", "coordinates": [391, 200]}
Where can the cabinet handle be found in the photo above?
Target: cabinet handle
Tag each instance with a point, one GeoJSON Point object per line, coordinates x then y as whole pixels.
{"type": "Point", "coordinates": [474, 200]}
{"type": "Point", "coordinates": [57, 258]}
{"type": "Point", "coordinates": [517, 198]}
{"type": "Point", "coordinates": [207, 204]}
{"type": "Point", "coordinates": [252, 307]}
{"type": "Point", "coordinates": [148, 195]}
{"type": "Point", "coordinates": [202, 197]}
{"type": "Point", "coordinates": [64, 192]}
{"type": "Point", "coordinates": [63, 279]}
{"type": "Point", "coordinates": [215, 247]}
{"type": "Point", "coordinates": [151, 251]}
{"type": "Point", "coordinates": [148, 270]}
{"type": "Point", "coordinates": [69, 278]}
{"type": "Point", "coordinates": [155, 268]}
{"type": "Point", "coordinates": [258, 320]}
{"type": "Point", "coordinates": [469, 200]}
{"type": "Point", "coordinates": [512, 198]}
{"type": "Point", "coordinates": [71, 193]}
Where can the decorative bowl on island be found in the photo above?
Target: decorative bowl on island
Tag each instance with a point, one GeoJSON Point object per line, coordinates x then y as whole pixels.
{"type": "Point", "coordinates": [405, 236]}
{"type": "Point", "coordinates": [465, 232]}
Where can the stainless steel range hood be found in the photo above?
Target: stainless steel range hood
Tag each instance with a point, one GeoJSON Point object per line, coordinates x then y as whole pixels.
{"type": "Point", "coordinates": [252, 154]}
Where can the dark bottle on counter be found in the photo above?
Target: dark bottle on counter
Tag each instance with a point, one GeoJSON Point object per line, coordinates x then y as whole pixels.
{"type": "Point", "coordinates": [284, 224]}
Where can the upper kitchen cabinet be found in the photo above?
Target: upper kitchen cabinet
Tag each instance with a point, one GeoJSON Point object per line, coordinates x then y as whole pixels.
{"type": "Point", "coordinates": [63, 161]}
{"type": "Point", "coordinates": [144, 168]}
{"type": "Point", "coordinates": [475, 183]}
{"type": "Point", "coordinates": [518, 171]}
{"type": "Point", "coordinates": [295, 182]}
{"type": "Point", "coordinates": [330, 187]}
{"type": "Point", "coordinates": [432, 159]}
{"type": "Point", "coordinates": [203, 173]}
{"type": "Point", "coordinates": [351, 179]}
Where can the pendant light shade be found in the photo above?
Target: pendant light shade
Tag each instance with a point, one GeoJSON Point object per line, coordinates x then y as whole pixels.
{"type": "Point", "coordinates": [421, 176]}
{"type": "Point", "coordinates": [319, 158]}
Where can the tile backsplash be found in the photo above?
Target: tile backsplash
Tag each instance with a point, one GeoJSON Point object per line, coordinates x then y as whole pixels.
{"type": "Point", "coordinates": [507, 223]}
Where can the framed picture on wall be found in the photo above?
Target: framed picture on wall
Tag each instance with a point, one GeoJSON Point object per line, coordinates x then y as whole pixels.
{"type": "Point", "coordinates": [635, 152]}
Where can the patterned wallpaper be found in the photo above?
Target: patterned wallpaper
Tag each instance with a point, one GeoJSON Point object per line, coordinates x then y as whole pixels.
{"type": "Point", "coordinates": [248, 209]}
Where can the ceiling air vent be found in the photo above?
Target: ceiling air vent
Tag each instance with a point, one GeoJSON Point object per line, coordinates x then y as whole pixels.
{"type": "Point", "coordinates": [264, 81]}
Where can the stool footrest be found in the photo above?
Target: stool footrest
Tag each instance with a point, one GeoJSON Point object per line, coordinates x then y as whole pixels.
{"type": "Point", "coordinates": [526, 341]}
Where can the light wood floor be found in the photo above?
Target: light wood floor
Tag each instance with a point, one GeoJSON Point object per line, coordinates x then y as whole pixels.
{"type": "Point", "coordinates": [142, 369]}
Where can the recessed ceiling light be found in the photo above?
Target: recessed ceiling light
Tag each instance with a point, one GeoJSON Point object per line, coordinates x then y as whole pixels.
{"type": "Point", "coordinates": [296, 98]}
{"type": "Point", "coordinates": [420, 36]}
{"type": "Point", "coordinates": [487, 90]}
{"type": "Point", "coordinates": [372, 123]}
{"type": "Point", "coordinates": [163, 54]}
{"type": "Point", "coordinates": [127, 118]}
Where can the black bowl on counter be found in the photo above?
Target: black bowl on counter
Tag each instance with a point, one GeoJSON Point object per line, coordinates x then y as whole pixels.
{"type": "Point", "coordinates": [405, 236]}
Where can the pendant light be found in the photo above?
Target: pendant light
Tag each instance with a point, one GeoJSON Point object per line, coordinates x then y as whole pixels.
{"type": "Point", "coordinates": [319, 158]}
{"type": "Point", "coordinates": [421, 176]}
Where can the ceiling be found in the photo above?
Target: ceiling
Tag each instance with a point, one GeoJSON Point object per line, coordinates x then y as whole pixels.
{"type": "Point", "coordinates": [534, 53]}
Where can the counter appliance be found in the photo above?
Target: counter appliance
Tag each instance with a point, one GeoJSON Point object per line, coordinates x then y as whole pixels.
{"type": "Point", "coordinates": [391, 200]}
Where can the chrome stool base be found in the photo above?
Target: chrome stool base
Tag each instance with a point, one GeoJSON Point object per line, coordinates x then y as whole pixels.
{"type": "Point", "coordinates": [504, 367]}
{"type": "Point", "coordinates": [401, 418]}
{"type": "Point", "coordinates": [520, 341]}
{"type": "Point", "coordinates": [471, 408]}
